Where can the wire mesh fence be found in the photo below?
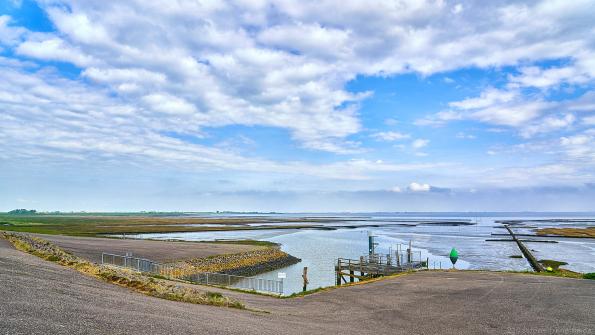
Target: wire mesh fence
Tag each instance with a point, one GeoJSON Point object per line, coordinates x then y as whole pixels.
{"type": "Point", "coordinates": [202, 278]}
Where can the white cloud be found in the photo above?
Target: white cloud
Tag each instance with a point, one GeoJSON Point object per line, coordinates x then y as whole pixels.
{"type": "Point", "coordinates": [419, 143]}
{"type": "Point", "coordinates": [500, 107]}
{"type": "Point", "coordinates": [462, 135]}
{"type": "Point", "coordinates": [54, 49]}
{"type": "Point", "coordinates": [151, 68]}
{"type": "Point", "coordinates": [419, 187]}
{"type": "Point", "coordinates": [534, 76]}
{"type": "Point", "coordinates": [168, 104]}
{"type": "Point", "coordinates": [548, 124]}
{"type": "Point", "coordinates": [457, 8]}
{"type": "Point", "coordinates": [52, 118]}
{"type": "Point", "coordinates": [589, 120]}
{"type": "Point", "coordinates": [487, 98]}
{"type": "Point", "coordinates": [9, 34]}
{"type": "Point", "coordinates": [391, 122]}
{"type": "Point", "coordinates": [248, 63]}
{"type": "Point", "coordinates": [440, 118]}
{"type": "Point", "coordinates": [390, 136]}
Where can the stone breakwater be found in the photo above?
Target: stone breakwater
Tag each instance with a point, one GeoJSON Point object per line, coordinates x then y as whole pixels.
{"type": "Point", "coordinates": [244, 264]}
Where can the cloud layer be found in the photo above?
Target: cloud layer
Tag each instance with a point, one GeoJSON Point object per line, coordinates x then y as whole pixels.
{"type": "Point", "coordinates": [146, 70]}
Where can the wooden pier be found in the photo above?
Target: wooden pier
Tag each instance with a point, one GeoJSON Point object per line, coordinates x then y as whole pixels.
{"type": "Point", "coordinates": [371, 266]}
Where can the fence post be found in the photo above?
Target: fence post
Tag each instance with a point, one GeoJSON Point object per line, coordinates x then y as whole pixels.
{"type": "Point", "coordinates": [207, 278]}
{"type": "Point", "coordinates": [102, 258]}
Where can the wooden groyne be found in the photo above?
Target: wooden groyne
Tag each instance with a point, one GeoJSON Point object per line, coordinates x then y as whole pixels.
{"type": "Point", "coordinates": [528, 255]}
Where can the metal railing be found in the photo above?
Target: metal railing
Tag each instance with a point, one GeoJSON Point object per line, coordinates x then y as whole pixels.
{"type": "Point", "coordinates": [410, 261]}
{"type": "Point", "coordinates": [127, 261]}
{"type": "Point", "coordinates": [202, 278]}
{"type": "Point", "coordinates": [246, 283]}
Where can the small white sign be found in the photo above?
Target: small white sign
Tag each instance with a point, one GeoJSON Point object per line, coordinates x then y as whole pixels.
{"type": "Point", "coordinates": [281, 275]}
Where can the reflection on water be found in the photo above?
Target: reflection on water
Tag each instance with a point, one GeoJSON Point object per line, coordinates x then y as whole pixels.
{"type": "Point", "coordinates": [319, 249]}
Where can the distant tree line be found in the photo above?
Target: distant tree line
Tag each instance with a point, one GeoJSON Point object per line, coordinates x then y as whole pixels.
{"type": "Point", "coordinates": [22, 211]}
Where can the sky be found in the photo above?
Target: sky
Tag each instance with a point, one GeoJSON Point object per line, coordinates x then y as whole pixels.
{"type": "Point", "coordinates": [324, 105]}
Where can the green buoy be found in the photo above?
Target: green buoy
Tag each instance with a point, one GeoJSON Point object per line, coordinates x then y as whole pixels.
{"type": "Point", "coordinates": [454, 255]}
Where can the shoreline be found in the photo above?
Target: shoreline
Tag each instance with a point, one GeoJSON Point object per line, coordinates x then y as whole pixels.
{"type": "Point", "coordinates": [247, 264]}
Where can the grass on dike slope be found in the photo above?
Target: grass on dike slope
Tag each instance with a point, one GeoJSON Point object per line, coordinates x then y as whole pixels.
{"type": "Point", "coordinates": [138, 282]}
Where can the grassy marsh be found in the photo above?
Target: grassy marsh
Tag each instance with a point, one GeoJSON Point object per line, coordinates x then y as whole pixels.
{"type": "Point", "coordinates": [588, 232]}
{"type": "Point", "coordinates": [96, 224]}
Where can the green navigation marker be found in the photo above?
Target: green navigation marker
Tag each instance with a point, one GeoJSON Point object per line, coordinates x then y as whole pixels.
{"type": "Point", "coordinates": [454, 255]}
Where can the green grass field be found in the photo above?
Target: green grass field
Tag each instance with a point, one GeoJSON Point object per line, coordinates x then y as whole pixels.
{"type": "Point", "coordinates": [93, 224]}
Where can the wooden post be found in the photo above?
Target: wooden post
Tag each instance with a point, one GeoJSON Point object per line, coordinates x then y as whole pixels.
{"type": "Point", "coordinates": [361, 266]}
{"type": "Point", "coordinates": [338, 272]}
{"type": "Point", "coordinates": [305, 277]}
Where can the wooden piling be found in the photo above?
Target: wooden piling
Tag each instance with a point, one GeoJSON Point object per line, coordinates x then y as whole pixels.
{"type": "Point", "coordinates": [305, 277]}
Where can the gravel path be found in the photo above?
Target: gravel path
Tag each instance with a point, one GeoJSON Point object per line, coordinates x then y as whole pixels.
{"type": "Point", "coordinates": [39, 297]}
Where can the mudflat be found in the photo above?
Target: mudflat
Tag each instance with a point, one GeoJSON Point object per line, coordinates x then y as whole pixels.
{"type": "Point", "coordinates": [160, 251]}
{"type": "Point", "coordinates": [40, 297]}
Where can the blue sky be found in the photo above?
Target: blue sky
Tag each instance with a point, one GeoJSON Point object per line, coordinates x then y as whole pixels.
{"type": "Point", "coordinates": [278, 106]}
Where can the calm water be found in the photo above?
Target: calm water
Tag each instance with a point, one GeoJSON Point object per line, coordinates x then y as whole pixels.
{"type": "Point", "coordinates": [319, 249]}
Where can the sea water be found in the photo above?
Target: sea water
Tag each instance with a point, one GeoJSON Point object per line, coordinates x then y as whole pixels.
{"type": "Point", "coordinates": [319, 249]}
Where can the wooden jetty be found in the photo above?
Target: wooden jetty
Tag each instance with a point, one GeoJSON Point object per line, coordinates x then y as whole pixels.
{"type": "Point", "coordinates": [371, 266]}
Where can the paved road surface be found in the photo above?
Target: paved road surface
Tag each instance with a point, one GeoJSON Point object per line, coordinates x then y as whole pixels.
{"type": "Point", "coordinates": [39, 297]}
{"type": "Point", "coordinates": [159, 251]}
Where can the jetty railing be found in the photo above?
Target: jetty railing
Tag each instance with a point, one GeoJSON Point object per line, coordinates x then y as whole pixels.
{"type": "Point", "coordinates": [372, 266]}
{"type": "Point", "coordinates": [201, 278]}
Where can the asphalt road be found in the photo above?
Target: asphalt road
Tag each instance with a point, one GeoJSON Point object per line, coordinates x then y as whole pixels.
{"type": "Point", "coordinates": [159, 251]}
{"type": "Point", "coordinates": [39, 297]}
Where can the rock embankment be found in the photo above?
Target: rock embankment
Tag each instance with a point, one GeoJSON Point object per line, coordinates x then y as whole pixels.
{"type": "Point", "coordinates": [244, 264]}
